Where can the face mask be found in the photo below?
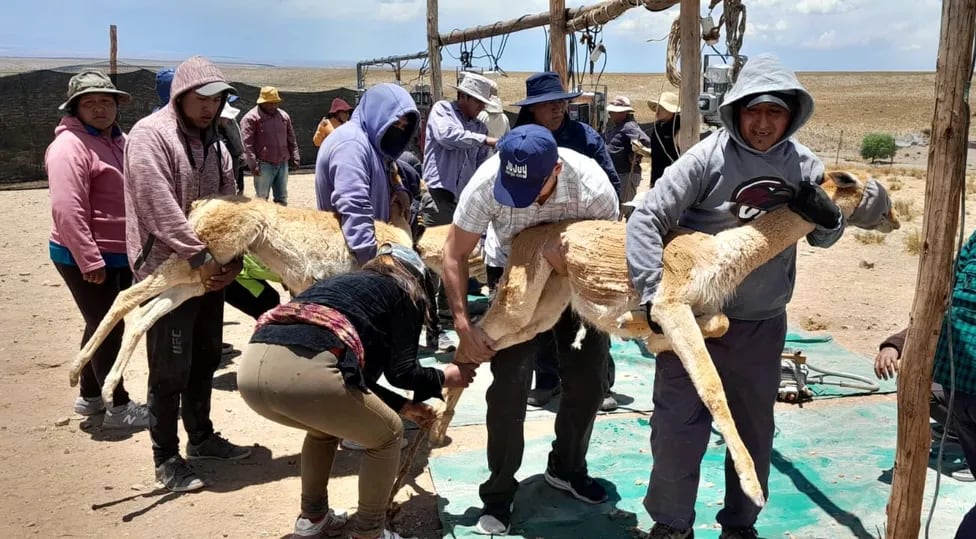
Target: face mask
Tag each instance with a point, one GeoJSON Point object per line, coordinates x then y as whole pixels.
{"type": "Point", "coordinates": [394, 140]}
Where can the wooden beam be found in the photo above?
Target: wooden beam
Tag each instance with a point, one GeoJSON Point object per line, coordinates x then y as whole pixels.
{"type": "Point", "coordinates": [434, 51]}
{"type": "Point", "coordinates": [557, 40]}
{"type": "Point", "coordinates": [113, 54]}
{"type": "Point", "coordinates": [943, 187]}
{"type": "Point", "coordinates": [502, 27]}
{"type": "Point", "coordinates": [601, 13]}
{"type": "Point", "coordinates": [690, 73]}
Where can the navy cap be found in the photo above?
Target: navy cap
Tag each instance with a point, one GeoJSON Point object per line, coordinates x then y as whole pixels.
{"type": "Point", "coordinates": [544, 87]}
{"type": "Point", "coordinates": [527, 155]}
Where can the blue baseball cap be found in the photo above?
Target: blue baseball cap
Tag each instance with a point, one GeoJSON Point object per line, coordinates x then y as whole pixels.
{"type": "Point", "coordinates": [527, 156]}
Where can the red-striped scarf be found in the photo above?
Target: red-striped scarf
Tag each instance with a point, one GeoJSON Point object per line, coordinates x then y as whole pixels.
{"type": "Point", "coordinates": [317, 315]}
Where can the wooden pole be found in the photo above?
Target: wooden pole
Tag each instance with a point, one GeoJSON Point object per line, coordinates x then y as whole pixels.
{"type": "Point", "coordinates": [690, 73]}
{"type": "Point", "coordinates": [943, 187]}
{"type": "Point", "coordinates": [557, 40]}
{"type": "Point", "coordinates": [434, 51]}
{"type": "Point", "coordinates": [113, 54]}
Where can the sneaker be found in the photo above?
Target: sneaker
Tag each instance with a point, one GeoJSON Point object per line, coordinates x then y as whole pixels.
{"type": "Point", "coordinates": [739, 533]}
{"type": "Point", "coordinates": [541, 397]}
{"type": "Point", "coordinates": [354, 446]}
{"type": "Point", "coordinates": [130, 415]}
{"type": "Point", "coordinates": [446, 342]}
{"type": "Point", "coordinates": [330, 524]}
{"type": "Point", "coordinates": [177, 476]}
{"type": "Point", "coordinates": [495, 519]}
{"type": "Point", "coordinates": [609, 403]}
{"type": "Point", "coordinates": [963, 474]}
{"type": "Point", "coordinates": [89, 406]}
{"type": "Point", "coordinates": [216, 448]}
{"type": "Point", "coordinates": [581, 486]}
{"type": "Point", "coordinates": [663, 531]}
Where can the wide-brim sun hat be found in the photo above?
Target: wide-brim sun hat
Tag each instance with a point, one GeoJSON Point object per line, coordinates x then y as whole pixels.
{"type": "Point", "coordinates": [545, 87]}
{"type": "Point", "coordinates": [269, 94]}
{"type": "Point", "coordinates": [476, 86]}
{"type": "Point", "coordinates": [93, 82]}
{"type": "Point", "coordinates": [668, 101]}
{"type": "Point", "coordinates": [620, 104]}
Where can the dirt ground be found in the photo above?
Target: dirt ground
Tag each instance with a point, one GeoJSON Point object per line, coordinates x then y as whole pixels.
{"type": "Point", "coordinates": [62, 478]}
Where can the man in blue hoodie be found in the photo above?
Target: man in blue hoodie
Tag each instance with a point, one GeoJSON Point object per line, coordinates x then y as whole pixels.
{"type": "Point", "coordinates": [352, 169]}
{"type": "Point", "coordinates": [728, 179]}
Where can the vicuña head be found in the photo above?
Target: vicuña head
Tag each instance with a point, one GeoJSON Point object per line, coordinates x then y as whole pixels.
{"type": "Point", "coordinates": [862, 200]}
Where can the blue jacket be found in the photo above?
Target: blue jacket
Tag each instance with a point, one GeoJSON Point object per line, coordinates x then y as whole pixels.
{"type": "Point", "coordinates": [352, 166]}
{"type": "Point", "coordinates": [581, 138]}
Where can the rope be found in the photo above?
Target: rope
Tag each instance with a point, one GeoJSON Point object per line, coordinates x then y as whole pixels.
{"type": "Point", "coordinates": [734, 19]}
{"type": "Point", "coordinates": [673, 55]}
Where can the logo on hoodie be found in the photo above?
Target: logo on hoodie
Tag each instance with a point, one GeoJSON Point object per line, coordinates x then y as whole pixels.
{"type": "Point", "coordinates": [755, 197]}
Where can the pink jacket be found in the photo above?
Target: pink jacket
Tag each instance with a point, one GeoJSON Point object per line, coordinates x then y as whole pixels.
{"type": "Point", "coordinates": [268, 137]}
{"type": "Point", "coordinates": [161, 181]}
{"type": "Point", "coordinates": [85, 177]}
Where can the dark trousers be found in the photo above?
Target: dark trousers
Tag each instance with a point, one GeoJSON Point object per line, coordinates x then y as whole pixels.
{"type": "Point", "coordinates": [239, 179]}
{"type": "Point", "coordinates": [547, 366]}
{"type": "Point", "coordinates": [964, 424]}
{"type": "Point", "coordinates": [254, 306]}
{"type": "Point", "coordinates": [94, 302]}
{"type": "Point", "coordinates": [748, 362]}
{"type": "Point", "coordinates": [583, 373]}
{"type": "Point", "coordinates": [184, 351]}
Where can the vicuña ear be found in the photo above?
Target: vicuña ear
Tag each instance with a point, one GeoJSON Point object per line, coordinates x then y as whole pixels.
{"type": "Point", "coordinates": [843, 179]}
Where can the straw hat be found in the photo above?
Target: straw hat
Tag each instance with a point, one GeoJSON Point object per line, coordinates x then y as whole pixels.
{"type": "Point", "coordinates": [269, 94]}
{"type": "Point", "coordinates": [668, 101]}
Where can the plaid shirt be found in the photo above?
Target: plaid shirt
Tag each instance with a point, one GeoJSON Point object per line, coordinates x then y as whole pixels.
{"type": "Point", "coordinates": [583, 191]}
{"type": "Point", "coordinates": [962, 316]}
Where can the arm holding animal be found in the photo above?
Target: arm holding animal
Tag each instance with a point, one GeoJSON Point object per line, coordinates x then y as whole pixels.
{"type": "Point", "coordinates": [813, 204]}
{"type": "Point", "coordinates": [677, 190]}
{"type": "Point", "coordinates": [474, 343]}
{"type": "Point", "coordinates": [351, 199]}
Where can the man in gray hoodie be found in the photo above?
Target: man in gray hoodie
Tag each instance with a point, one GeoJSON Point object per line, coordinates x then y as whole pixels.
{"type": "Point", "coordinates": [737, 174]}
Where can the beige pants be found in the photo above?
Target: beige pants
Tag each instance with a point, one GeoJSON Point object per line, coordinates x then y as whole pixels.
{"type": "Point", "coordinates": [299, 389]}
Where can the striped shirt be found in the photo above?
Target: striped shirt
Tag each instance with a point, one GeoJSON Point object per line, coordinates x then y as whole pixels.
{"type": "Point", "coordinates": [962, 318]}
{"type": "Point", "coordinates": [583, 191]}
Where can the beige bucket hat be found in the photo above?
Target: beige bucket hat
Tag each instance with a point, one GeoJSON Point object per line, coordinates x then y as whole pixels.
{"type": "Point", "coordinates": [92, 82]}
{"type": "Point", "coordinates": [668, 101]}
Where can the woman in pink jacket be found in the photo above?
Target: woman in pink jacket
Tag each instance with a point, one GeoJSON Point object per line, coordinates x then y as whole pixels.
{"type": "Point", "coordinates": [84, 168]}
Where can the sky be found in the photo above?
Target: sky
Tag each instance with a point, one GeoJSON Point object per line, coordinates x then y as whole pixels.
{"type": "Point", "coordinates": [808, 35]}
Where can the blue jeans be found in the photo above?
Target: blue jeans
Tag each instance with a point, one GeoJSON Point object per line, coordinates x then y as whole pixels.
{"type": "Point", "coordinates": [272, 178]}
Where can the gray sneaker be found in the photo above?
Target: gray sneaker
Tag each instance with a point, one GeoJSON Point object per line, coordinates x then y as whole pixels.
{"type": "Point", "coordinates": [216, 447]}
{"type": "Point", "coordinates": [177, 476]}
{"type": "Point", "coordinates": [964, 475]}
{"type": "Point", "coordinates": [89, 406]}
{"type": "Point", "coordinates": [131, 415]}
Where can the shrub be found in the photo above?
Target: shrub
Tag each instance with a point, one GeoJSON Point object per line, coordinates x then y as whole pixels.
{"type": "Point", "coordinates": [878, 146]}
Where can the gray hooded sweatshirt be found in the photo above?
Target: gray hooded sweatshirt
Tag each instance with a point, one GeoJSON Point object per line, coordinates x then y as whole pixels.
{"type": "Point", "coordinates": [722, 183]}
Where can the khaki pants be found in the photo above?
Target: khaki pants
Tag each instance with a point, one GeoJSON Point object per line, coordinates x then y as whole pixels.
{"type": "Point", "coordinates": [301, 389]}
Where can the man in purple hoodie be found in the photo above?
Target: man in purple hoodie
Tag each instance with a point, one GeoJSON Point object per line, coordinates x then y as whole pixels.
{"type": "Point", "coordinates": [172, 158]}
{"type": "Point", "coordinates": [352, 169]}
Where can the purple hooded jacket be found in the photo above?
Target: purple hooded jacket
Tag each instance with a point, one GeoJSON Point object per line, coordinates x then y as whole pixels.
{"type": "Point", "coordinates": [351, 169]}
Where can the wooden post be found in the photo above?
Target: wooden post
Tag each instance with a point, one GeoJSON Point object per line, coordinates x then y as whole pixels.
{"type": "Point", "coordinates": [557, 40]}
{"type": "Point", "coordinates": [113, 55]}
{"type": "Point", "coordinates": [943, 187]}
{"type": "Point", "coordinates": [690, 73]}
{"type": "Point", "coordinates": [434, 51]}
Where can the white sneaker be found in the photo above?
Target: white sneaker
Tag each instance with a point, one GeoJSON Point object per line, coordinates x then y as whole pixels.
{"type": "Point", "coordinates": [89, 406]}
{"type": "Point", "coordinates": [127, 416]}
{"type": "Point", "coordinates": [331, 525]}
{"type": "Point", "coordinates": [963, 474]}
{"type": "Point", "coordinates": [353, 446]}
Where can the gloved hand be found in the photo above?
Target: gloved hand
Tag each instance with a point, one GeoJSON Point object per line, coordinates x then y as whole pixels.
{"type": "Point", "coordinates": [655, 327]}
{"type": "Point", "coordinates": [813, 204]}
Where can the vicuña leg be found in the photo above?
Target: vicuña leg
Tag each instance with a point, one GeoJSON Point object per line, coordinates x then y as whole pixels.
{"type": "Point", "coordinates": [143, 319]}
{"type": "Point", "coordinates": [681, 328]}
{"type": "Point", "coordinates": [170, 273]}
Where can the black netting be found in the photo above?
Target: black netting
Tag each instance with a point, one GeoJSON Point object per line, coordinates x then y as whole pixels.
{"type": "Point", "coordinates": [30, 113]}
